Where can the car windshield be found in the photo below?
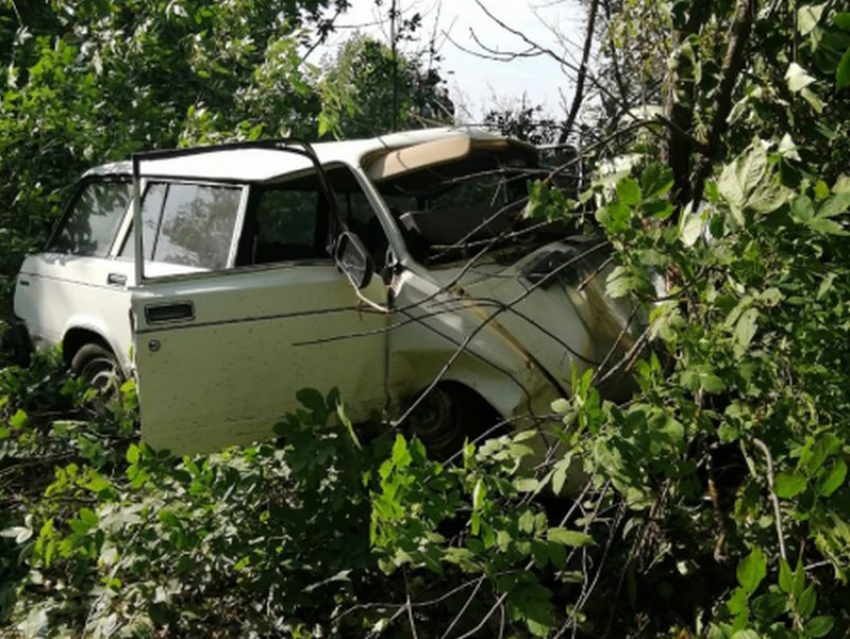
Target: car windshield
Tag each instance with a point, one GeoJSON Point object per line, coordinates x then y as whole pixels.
{"type": "Point", "coordinates": [446, 210]}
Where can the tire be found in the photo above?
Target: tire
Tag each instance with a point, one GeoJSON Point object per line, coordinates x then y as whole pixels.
{"type": "Point", "coordinates": [447, 416]}
{"type": "Point", "coordinates": [98, 366]}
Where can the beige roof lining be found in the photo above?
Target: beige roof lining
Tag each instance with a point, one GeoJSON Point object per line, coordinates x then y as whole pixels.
{"type": "Point", "coordinates": [430, 154]}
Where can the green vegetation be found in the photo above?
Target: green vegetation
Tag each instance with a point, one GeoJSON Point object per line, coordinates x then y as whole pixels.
{"type": "Point", "coordinates": [713, 504]}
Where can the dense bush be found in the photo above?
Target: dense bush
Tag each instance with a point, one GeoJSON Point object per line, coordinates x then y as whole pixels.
{"type": "Point", "coordinates": [315, 533]}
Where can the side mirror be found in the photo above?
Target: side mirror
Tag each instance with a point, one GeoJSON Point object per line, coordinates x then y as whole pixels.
{"type": "Point", "coordinates": [353, 259]}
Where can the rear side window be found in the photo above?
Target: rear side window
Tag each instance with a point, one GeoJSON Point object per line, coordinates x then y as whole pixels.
{"type": "Point", "coordinates": [189, 224]}
{"type": "Point", "coordinates": [197, 225]}
{"type": "Point", "coordinates": [90, 226]}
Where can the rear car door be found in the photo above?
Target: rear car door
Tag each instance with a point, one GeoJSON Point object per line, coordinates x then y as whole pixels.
{"type": "Point", "coordinates": [77, 283]}
{"type": "Point", "coordinates": [222, 351]}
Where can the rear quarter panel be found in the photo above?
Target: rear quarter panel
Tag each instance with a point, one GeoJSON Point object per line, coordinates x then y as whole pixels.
{"type": "Point", "coordinates": [57, 292]}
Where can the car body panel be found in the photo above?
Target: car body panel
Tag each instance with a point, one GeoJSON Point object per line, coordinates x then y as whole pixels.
{"type": "Point", "coordinates": [56, 293]}
{"type": "Point", "coordinates": [231, 371]}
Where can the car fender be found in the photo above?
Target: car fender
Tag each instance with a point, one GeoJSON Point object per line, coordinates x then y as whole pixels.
{"type": "Point", "coordinates": [98, 327]}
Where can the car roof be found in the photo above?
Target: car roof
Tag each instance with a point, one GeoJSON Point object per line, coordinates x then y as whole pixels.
{"type": "Point", "coordinates": [263, 164]}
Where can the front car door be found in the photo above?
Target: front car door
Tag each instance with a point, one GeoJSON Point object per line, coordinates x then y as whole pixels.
{"type": "Point", "coordinates": [221, 351]}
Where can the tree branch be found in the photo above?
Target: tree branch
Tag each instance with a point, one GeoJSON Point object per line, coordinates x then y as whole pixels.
{"type": "Point", "coordinates": [578, 98]}
{"type": "Point", "coordinates": [733, 63]}
{"type": "Point", "coordinates": [777, 513]}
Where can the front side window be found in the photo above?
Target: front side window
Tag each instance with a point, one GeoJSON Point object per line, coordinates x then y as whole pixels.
{"type": "Point", "coordinates": [288, 220]}
{"type": "Point", "coordinates": [285, 226]}
{"type": "Point", "coordinates": [188, 224]}
{"type": "Point", "coordinates": [90, 226]}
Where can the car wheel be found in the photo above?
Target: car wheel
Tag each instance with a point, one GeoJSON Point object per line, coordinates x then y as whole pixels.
{"type": "Point", "coordinates": [446, 417]}
{"type": "Point", "coordinates": [99, 368]}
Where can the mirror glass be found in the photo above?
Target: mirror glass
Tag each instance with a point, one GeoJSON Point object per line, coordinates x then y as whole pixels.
{"type": "Point", "coordinates": [353, 259]}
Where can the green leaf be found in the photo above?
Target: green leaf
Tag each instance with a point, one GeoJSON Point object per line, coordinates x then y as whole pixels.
{"type": "Point", "coordinates": [573, 538]}
{"type": "Point", "coordinates": [628, 190]}
{"type": "Point", "coordinates": [132, 455]}
{"type": "Point", "coordinates": [842, 73]}
{"type": "Point", "coordinates": [802, 209]}
{"type": "Point", "coordinates": [833, 479]}
{"type": "Point", "coordinates": [18, 420]}
{"type": "Point", "coordinates": [816, 103]}
{"type": "Point", "coordinates": [768, 198]}
{"type": "Point", "coordinates": [729, 187]}
{"type": "Point", "coordinates": [526, 521]}
{"type": "Point", "coordinates": [786, 577]}
{"type": "Point", "coordinates": [819, 626]}
{"type": "Point", "coordinates": [401, 456]}
{"type": "Point", "coordinates": [711, 383]}
{"type": "Point", "coordinates": [835, 205]}
{"type": "Point", "coordinates": [89, 517]}
{"type": "Point", "coordinates": [559, 476]}
{"type": "Point", "coordinates": [751, 167]}
{"type": "Point", "coordinates": [690, 228]}
{"type": "Point", "coordinates": [807, 602]}
{"type": "Point", "coordinates": [808, 17]}
{"type": "Point", "coordinates": [97, 483]}
{"type": "Point", "coordinates": [842, 21]}
{"type": "Point", "coordinates": [752, 570]}
{"type": "Point", "coordinates": [797, 78]}
{"type": "Point", "coordinates": [656, 180]}
{"type": "Point", "coordinates": [827, 227]}
{"type": "Point", "coordinates": [312, 399]}
{"type": "Point", "coordinates": [745, 330]}
{"type": "Point", "coordinates": [659, 209]}
{"type": "Point", "coordinates": [789, 485]}
{"type": "Point", "coordinates": [769, 605]}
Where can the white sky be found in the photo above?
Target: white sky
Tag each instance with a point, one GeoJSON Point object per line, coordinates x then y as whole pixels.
{"type": "Point", "coordinates": [477, 84]}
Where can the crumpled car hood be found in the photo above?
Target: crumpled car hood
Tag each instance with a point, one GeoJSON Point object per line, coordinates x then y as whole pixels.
{"type": "Point", "coordinates": [552, 303]}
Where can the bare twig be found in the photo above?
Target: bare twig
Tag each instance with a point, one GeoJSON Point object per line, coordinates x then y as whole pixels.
{"type": "Point", "coordinates": [409, 607]}
{"type": "Point", "coordinates": [463, 610]}
{"type": "Point", "coordinates": [777, 513]}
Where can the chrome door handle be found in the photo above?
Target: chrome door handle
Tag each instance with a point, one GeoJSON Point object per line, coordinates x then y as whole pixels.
{"type": "Point", "coordinates": [116, 279]}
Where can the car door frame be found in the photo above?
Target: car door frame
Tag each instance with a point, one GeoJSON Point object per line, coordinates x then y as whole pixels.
{"type": "Point", "coordinates": [336, 226]}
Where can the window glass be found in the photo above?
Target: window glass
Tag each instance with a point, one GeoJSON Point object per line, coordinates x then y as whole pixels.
{"type": "Point", "coordinates": [152, 201]}
{"type": "Point", "coordinates": [288, 221]}
{"type": "Point", "coordinates": [94, 219]}
{"type": "Point", "coordinates": [197, 225]}
{"type": "Point", "coordinates": [285, 226]}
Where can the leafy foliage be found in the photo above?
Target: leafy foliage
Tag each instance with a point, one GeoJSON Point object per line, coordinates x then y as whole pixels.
{"type": "Point", "coordinates": [714, 503]}
{"type": "Point", "coordinates": [87, 82]}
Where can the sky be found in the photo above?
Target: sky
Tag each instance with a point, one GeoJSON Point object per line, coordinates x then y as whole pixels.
{"type": "Point", "coordinates": [477, 84]}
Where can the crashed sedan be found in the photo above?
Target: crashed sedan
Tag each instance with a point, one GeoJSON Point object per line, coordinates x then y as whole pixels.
{"type": "Point", "coordinates": [400, 270]}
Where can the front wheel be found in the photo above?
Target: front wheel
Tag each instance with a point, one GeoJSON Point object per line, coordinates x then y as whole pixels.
{"type": "Point", "coordinates": [447, 416]}
{"type": "Point", "coordinates": [99, 368]}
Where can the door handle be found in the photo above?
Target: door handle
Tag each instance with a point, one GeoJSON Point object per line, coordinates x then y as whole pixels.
{"type": "Point", "coordinates": [116, 279]}
{"type": "Point", "coordinates": [165, 313]}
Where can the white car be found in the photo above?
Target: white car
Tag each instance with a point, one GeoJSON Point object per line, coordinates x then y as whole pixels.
{"type": "Point", "coordinates": [385, 268]}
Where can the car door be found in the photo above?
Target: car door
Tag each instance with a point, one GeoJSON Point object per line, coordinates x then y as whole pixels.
{"type": "Point", "coordinates": [76, 282]}
{"type": "Point", "coordinates": [221, 353]}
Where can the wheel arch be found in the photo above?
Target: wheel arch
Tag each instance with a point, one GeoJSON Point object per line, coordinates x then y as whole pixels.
{"type": "Point", "coordinates": [78, 336]}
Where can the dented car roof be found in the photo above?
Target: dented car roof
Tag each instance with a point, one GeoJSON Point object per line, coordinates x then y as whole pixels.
{"type": "Point", "coordinates": [264, 165]}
